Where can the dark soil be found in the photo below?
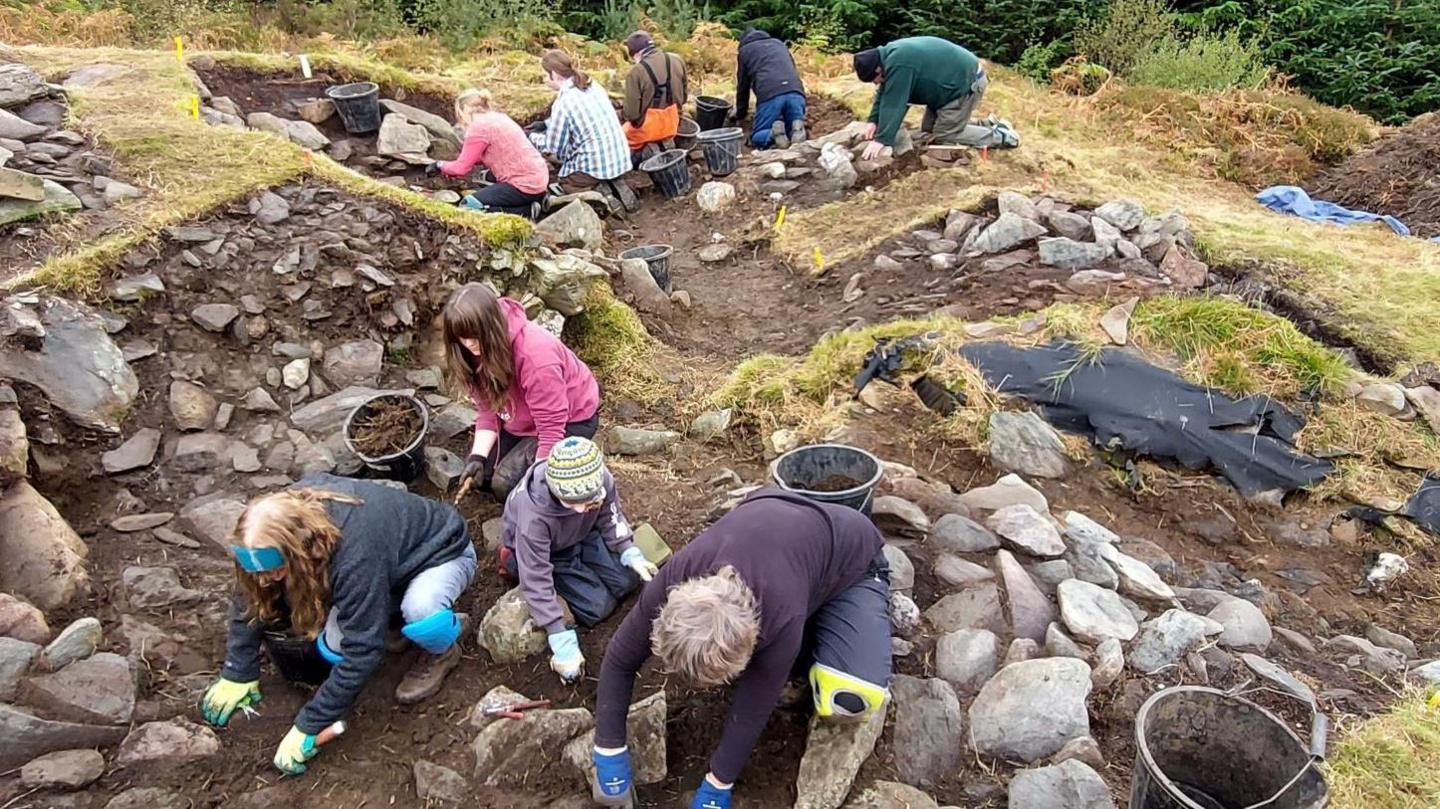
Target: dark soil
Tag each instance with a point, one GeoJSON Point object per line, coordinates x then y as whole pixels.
{"type": "Point", "coordinates": [1397, 175]}
{"type": "Point", "coordinates": [833, 483]}
{"type": "Point", "coordinates": [385, 428]}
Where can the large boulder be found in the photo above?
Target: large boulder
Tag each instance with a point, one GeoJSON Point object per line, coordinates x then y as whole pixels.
{"type": "Point", "coordinates": [976, 607]}
{"type": "Point", "coordinates": [967, 658]}
{"type": "Point", "coordinates": [643, 290]}
{"type": "Point", "coordinates": [1030, 709]}
{"type": "Point", "coordinates": [437, 126]}
{"type": "Point", "coordinates": [325, 416]}
{"type": "Point", "coordinates": [1068, 254]}
{"type": "Point", "coordinates": [645, 739]}
{"type": "Point", "coordinates": [1092, 613]}
{"type": "Point", "coordinates": [575, 225]}
{"type": "Point", "coordinates": [99, 689]}
{"type": "Point", "coordinates": [1165, 640]}
{"type": "Point", "coordinates": [178, 741]}
{"type": "Point", "coordinates": [21, 620]}
{"type": "Point", "coordinates": [357, 362]}
{"type": "Point", "coordinates": [834, 753]}
{"type": "Point", "coordinates": [1245, 627]}
{"type": "Point", "coordinates": [214, 517]}
{"type": "Point", "coordinates": [1025, 443]}
{"type": "Point", "coordinates": [1027, 530]}
{"type": "Point", "coordinates": [16, 656]}
{"type": "Point", "coordinates": [19, 84]}
{"type": "Point", "coordinates": [508, 633]}
{"type": "Point", "coordinates": [891, 795]}
{"type": "Point", "coordinates": [1006, 232]}
{"type": "Point", "coordinates": [506, 752]}
{"type": "Point", "coordinates": [77, 366]}
{"type": "Point", "coordinates": [41, 558]}
{"type": "Point", "coordinates": [63, 770]}
{"type": "Point", "coordinates": [928, 743]}
{"type": "Point", "coordinates": [436, 784]}
{"type": "Point", "coordinates": [1031, 612]}
{"type": "Point", "coordinates": [1070, 784]}
{"type": "Point", "coordinates": [960, 534]}
{"type": "Point", "coordinates": [13, 127]}
{"type": "Point", "coordinates": [28, 737]}
{"type": "Point", "coordinates": [403, 140]}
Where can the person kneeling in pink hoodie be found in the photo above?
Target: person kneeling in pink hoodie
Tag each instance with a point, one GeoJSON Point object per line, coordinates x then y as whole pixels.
{"type": "Point", "coordinates": [529, 390]}
{"type": "Point", "coordinates": [564, 536]}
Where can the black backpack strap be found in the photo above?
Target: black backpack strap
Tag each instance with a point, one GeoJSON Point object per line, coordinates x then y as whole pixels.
{"type": "Point", "coordinates": [662, 91]}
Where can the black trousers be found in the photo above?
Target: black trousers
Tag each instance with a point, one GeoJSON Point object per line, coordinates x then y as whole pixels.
{"type": "Point", "coordinates": [514, 455]}
{"type": "Point", "coordinates": [589, 576]}
{"type": "Point", "coordinates": [505, 198]}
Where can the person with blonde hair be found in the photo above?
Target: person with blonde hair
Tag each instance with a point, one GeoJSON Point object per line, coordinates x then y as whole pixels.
{"type": "Point", "coordinates": [582, 132]}
{"type": "Point", "coordinates": [563, 536]}
{"type": "Point", "coordinates": [334, 559]}
{"type": "Point", "coordinates": [529, 389]}
{"type": "Point", "coordinates": [492, 139]}
{"type": "Point", "coordinates": [779, 586]}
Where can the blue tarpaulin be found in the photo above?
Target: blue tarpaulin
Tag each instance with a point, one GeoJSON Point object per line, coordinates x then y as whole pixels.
{"type": "Point", "coordinates": [1294, 201]}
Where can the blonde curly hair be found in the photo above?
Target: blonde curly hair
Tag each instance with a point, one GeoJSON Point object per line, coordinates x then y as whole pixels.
{"type": "Point", "coordinates": [707, 628]}
{"type": "Point", "coordinates": [296, 522]}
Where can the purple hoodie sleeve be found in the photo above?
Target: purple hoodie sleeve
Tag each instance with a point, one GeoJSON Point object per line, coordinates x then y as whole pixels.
{"type": "Point", "coordinates": [614, 528]}
{"type": "Point", "coordinates": [537, 576]}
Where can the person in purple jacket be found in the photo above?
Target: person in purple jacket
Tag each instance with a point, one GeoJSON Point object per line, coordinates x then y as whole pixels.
{"type": "Point", "coordinates": [564, 536]}
{"type": "Point", "coordinates": [780, 586]}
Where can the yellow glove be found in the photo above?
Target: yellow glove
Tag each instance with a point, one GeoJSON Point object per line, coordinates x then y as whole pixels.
{"type": "Point", "coordinates": [295, 749]}
{"type": "Point", "coordinates": [222, 698]}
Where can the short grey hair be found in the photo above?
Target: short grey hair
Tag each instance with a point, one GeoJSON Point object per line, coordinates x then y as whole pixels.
{"type": "Point", "coordinates": [707, 628]}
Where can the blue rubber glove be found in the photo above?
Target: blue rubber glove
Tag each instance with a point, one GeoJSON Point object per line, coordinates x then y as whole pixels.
{"type": "Point", "coordinates": [565, 657]}
{"type": "Point", "coordinates": [613, 779]}
{"type": "Point", "coordinates": [709, 796]}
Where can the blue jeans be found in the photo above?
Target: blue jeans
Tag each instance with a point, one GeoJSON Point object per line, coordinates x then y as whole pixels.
{"type": "Point", "coordinates": [787, 107]}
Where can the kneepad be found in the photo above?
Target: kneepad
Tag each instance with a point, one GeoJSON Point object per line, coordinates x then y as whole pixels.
{"type": "Point", "coordinates": [331, 656]}
{"type": "Point", "coordinates": [434, 633]}
{"type": "Point", "coordinates": [844, 696]}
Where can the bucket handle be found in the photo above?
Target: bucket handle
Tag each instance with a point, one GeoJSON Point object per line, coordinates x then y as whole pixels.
{"type": "Point", "coordinates": [1319, 732]}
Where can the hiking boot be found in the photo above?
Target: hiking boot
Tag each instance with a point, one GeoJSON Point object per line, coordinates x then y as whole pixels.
{"type": "Point", "coordinates": [797, 132]}
{"type": "Point", "coordinates": [428, 672]}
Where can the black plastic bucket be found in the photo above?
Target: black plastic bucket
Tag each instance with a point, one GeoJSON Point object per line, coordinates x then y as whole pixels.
{"type": "Point", "coordinates": [657, 257]}
{"type": "Point", "coordinates": [297, 658]}
{"type": "Point", "coordinates": [405, 465]}
{"type": "Point", "coordinates": [710, 112]}
{"type": "Point", "coordinates": [1199, 748]}
{"type": "Point", "coordinates": [685, 137]}
{"type": "Point", "coordinates": [722, 149]}
{"type": "Point", "coordinates": [802, 470]}
{"type": "Point", "coordinates": [669, 171]}
{"type": "Point", "coordinates": [358, 105]}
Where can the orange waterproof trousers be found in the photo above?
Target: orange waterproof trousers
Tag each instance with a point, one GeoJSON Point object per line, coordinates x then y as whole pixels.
{"type": "Point", "coordinates": [660, 124]}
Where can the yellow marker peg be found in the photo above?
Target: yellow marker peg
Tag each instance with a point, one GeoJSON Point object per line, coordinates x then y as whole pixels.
{"type": "Point", "coordinates": [1434, 701]}
{"type": "Point", "coordinates": [780, 218]}
{"type": "Point", "coordinates": [180, 48]}
{"type": "Point", "coordinates": [819, 260]}
{"type": "Point", "coordinates": [195, 107]}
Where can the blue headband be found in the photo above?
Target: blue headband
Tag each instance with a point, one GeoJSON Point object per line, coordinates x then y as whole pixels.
{"type": "Point", "coordinates": [258, 560]}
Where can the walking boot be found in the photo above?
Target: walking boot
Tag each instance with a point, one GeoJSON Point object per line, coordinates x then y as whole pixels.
{"type": "Point", "coordinates": [428, 672]}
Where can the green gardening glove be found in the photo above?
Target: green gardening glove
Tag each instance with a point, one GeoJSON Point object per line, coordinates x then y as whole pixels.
{"type": "Point", "coordinates": [224, 697]}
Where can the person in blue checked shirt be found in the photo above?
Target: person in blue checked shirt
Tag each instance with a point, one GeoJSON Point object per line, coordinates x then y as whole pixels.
{"type": "Point", "coordinates": [583, 131]}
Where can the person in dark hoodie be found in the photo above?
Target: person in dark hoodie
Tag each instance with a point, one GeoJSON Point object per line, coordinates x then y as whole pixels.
{"type": "Point", "coordinates": [334, 559]}
{"type": "Point", "coordinates": [767, 69]}
{"type": "Point", "coordinates": [564, 535]}
{"type": "Point", "coordinates": [779, 587]}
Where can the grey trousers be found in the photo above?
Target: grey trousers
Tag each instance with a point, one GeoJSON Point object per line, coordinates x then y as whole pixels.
{"type": "Point", "coordinates": [431, 590]}
{"type": "Point", "coordinates": [951, 125]}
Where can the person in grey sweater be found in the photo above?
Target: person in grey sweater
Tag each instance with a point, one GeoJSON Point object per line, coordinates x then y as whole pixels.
{"type": "Point", "coordinates": [335, 559]}
{"type": "Point", "coordinates": [564, 536]}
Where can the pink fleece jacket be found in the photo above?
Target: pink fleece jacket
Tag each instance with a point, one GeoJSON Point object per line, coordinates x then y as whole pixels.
{"type": "Point", "coordinates": [550, 387]}
{"type": "Point", "coordinates": [499, 143]}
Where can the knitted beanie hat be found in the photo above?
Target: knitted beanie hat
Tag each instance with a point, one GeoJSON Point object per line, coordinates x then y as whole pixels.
{"type": "Point", "coordinates": [576, 470]}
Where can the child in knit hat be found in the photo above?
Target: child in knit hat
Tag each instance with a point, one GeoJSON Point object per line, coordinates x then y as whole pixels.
{"type": "Point", "coordinates": [564, 536]}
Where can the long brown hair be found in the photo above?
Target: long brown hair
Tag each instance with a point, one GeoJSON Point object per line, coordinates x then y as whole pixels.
{"type": "Point", "coordinates": [474, 312]}
{"type": "Point", "coordinates": [296, 522]}
{"type": "Point", "coordinates": [560, 63]}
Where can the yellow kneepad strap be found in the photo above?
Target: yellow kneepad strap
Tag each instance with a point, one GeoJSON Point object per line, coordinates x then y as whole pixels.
{"type": "Point", "coordinates": [828, 683]}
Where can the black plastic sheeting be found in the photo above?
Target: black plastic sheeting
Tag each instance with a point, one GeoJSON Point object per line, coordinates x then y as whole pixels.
{"type": "Point", "coordinates": [1424, 505]}
{"type": "Point", "coordinates": [1123, 401]}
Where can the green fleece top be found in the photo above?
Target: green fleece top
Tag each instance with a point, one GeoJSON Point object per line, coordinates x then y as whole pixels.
{"type": "Point", "coordinates": [919, 70]}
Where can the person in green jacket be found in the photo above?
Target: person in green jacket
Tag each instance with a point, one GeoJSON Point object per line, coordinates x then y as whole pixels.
{"type": "Point", "coordinates": [948, 79]}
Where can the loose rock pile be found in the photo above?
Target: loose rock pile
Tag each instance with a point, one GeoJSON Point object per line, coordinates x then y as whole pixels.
{"type": "Point", "coordinates": [1143, 252]}
{"type": "Point", "coordinates": [44, 167]}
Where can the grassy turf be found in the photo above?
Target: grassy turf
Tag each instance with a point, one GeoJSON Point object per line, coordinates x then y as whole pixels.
{"type": "Point", "coordinates": [1391, 761]}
